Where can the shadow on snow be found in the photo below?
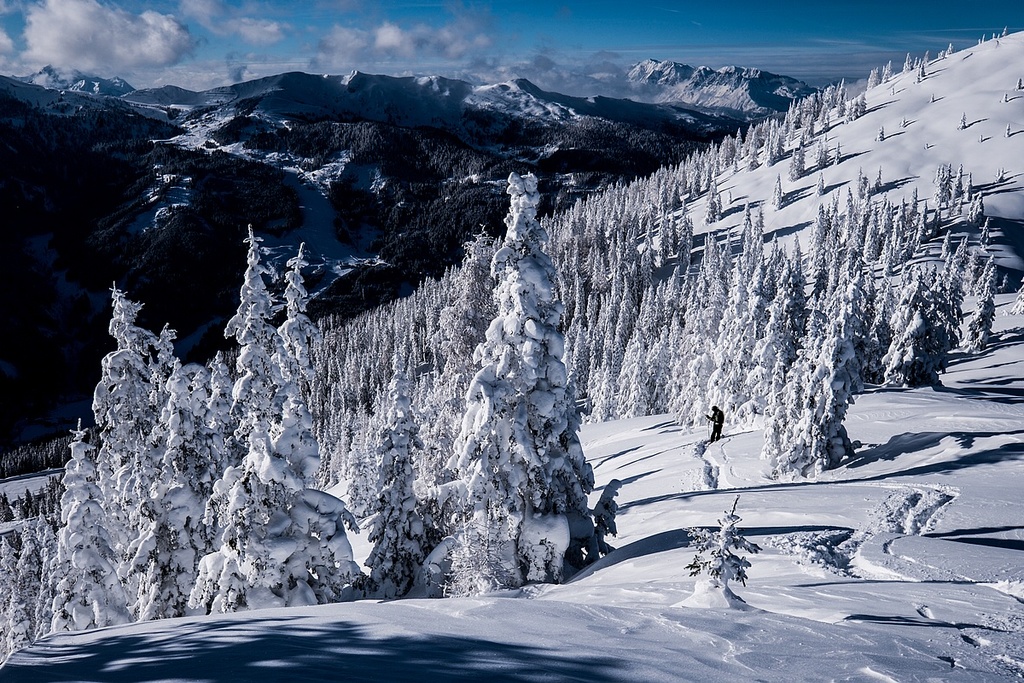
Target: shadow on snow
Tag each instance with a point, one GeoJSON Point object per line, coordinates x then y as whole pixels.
{"type": "Point", "coordinates": [291, 649]}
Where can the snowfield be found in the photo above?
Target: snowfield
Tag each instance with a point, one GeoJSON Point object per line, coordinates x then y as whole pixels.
{"type": "Point", "coordinates": [904, 564]}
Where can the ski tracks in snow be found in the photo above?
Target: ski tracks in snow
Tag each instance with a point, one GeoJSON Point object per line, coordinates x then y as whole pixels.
{"type": "Point", "coordinates": [869, 552]}
{"type": "Point", "coordinates": [910, 510]}
{"type": "Point", "coordinates": [709, 473]}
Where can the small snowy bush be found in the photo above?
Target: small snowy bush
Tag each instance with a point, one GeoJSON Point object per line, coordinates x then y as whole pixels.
{"type": "Point", "coordinates": [721, 564]}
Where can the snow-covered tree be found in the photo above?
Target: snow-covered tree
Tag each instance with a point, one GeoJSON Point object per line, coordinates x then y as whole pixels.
{"type": "Point", "coordinates": [399, 534]}
{"type": "Point", "coordinates": [26, 578]}
{"type": "Point", "coordinates": [722, 564]}
{"type": "Point", "coordinates": [1017, 308]}
{"type": "Point", "coordinates": [713, 207]}
{"type": "Point", "coordinates": [124, 413]}
{"type": "Point", "coordinates": [924, 327]}
{"type": "Point", "coordinates": [166, 553]}
{"type": "Point", "coordinates": [88, 595]}
{"type": "Point", "coordinates": [281, 543]}
{"type": "Point", "coordinates": [298, 333]}
{"type": "Point", "coordinates": [778, 198]}
{"type": "Point", "coordinates": [804, 435]}
{"type": "Point", "coordinates": [518, 457]}
{"type": "Point", "coordinates": [979, 325]}
{"type": "Point", "coordinates": [798, 162]}
{"type": "Point", "coordinates": [259, 376]}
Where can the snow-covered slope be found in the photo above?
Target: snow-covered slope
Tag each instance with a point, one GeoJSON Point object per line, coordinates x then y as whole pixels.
{"type": "Point", "coordinates": [903, 565]}
{"type": "Point", "coordinates": [744, 91]}
{"type": "Point", "coordinates": [52, 101]}
{"type": "Point", "coordinates": [920, 122]}
{"type": "Point", "coordinates": [76, 81]}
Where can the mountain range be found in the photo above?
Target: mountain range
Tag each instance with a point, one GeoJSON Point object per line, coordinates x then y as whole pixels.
{"type": "Point", "coordinates": [742, 92]}
{"type": "Point", "coordinates": [383, 177]}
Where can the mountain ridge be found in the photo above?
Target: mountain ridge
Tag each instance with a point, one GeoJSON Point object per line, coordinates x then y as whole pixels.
{"type": "Point", "coordinates": [77, 81]}
{"type": "Point", "coordinates": [733, 89]}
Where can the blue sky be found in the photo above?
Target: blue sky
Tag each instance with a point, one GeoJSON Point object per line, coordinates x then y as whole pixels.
{"type": "Point", "coordinates": [578, 47]}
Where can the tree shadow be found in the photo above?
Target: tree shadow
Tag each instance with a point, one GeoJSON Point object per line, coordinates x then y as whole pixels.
{"type": "Point", "coordinates": [895, 184]}
{"type": "Point", "coordinates": [1004, 543]}
{"type": "Point", "coordinates": [843, 158]}
{"type": "Point", "coordinates": [835, 186]}
{"type": "Point", "coordinates": [736, 208]}
{"type": "Point", "coordinates": [992, 456]}
{"type": "Point", "coordinates": [650, 545]}
{"type": "Point", "coordinates": [669, 426]}
{"type": "Point", "coordinates": [790, 229]}
{"type": "Point", "coordinates": [973, 532]}
{"type": "Point", "coordinates": [897, 620]}
{"type": "Point", "coordinates": [621, 453]}
{"type": "Point", "coordinates": [297, 649]}
{"type": "Point", "coordinates": [878, 107]}
{"type": "Point", "coordinates": [680, 538]}
{"type": "Point", "coordinates": [796, 195]}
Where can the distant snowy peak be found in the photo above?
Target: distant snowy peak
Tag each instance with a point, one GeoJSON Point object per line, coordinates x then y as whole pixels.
{"type": "Point", "coordinates": [666, 73]}
{"type": "Point", "coordinates": [733, 89]}
{"type": "Point", "coordinates": [428, 101]}
{"type": "Point", "coordinates": [50, 77]}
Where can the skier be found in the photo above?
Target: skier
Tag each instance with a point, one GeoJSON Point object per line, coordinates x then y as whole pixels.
{"type": "Point", "coordinates": [717, 418]}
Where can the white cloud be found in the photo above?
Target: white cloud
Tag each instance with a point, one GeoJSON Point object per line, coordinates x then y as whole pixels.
{"type": "Point", "coordinates": [258, 31]}
{"type": "Point", "coordinates": [466, 36]}
{"type": "Point", "coordinates": [390, 38]}
{"type": "Point", "coordinates": [85, 34]}
{"type": "Point", "coordinates": [203, 11]}
{"type": "Point", "coordinates": [6, 44]}
{"type": "Point", "coordinates": [222, 20]}
{"type": "Point", "coordinates": [342, 46]}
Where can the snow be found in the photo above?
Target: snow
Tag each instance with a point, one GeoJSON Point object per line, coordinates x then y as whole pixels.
{"type": "Point", "coordinates": [904, 564]}
{"type": "Point", "coordinates": [920, 135]}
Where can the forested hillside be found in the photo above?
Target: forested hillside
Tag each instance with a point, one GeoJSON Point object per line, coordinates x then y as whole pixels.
{"type": "Point", "coordinates": [155, 196]}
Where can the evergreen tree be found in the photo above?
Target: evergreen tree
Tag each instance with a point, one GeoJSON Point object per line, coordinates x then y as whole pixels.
{"type": "Point", "coordinates": [298, 333]}
{"type": "Point", "coordinates": [399, 534]}
{"type": "Point", "coordinates": [9, 642]}
{"type": "Point", "coordinates": [798, 162]}
{"type": "Point", "coordinates": [166, 555]}
{"type": "Point", "coordinates": [519, 456]}
{"type": "Point", "coordinates": [979, 326]}
{"type": "Point", "coordinates": [1018, 303]}
{"type": "Point", "coordinates": [26, 579]}
{"type": "Point", "coordinates": [778, 198]}
{"type": "Point", "coordinates": [713, 207]}
{"type": "Point", "coordinates": [281, 543]}
{"type": "Point", "coordinates": [125, 417]}
{"type": "Point", "coordinates": [88, 594]}
{"type": "Point", "coordinates": [259, 376]}
{"type": "Point", "coordinates": [806, 436]}
{"type": "Point", "coordinates": [924, 326]}
{"type": "Point", "coordinates": [722, 563]}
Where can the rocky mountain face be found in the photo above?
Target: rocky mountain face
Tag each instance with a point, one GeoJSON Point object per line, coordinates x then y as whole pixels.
{"type": "Point", "coordinates": [744, 92]}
